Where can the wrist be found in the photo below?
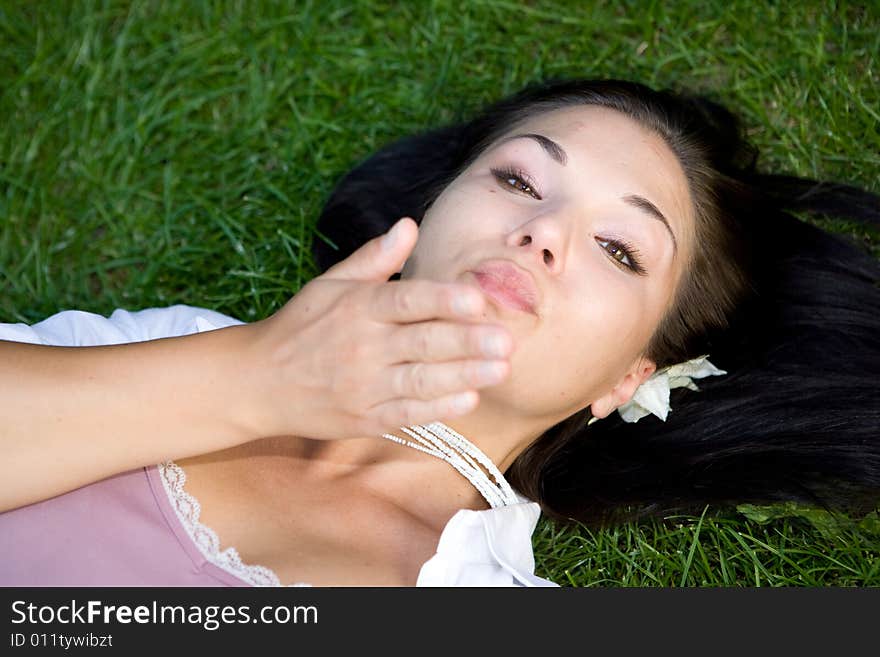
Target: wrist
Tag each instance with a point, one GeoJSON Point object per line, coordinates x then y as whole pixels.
{"type": "Point", "coordinates": [233, 382]}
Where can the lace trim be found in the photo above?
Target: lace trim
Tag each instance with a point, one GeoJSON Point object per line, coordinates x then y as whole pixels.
{"type": "Point", "coordinates": [188, 510]}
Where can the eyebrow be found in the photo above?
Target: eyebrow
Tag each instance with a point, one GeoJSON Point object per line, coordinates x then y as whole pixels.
{"type": "Point", "coordinates": [558, 153]}
{"type": "Point", "coordinates": [553, 149]}
{"type": "Point", "coordinates": [644, 204]}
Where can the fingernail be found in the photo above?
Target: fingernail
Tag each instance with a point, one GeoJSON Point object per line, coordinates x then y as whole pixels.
{"type": "Point", "coordinates": [493, 346]}
{"type": "Point", "coordinates": [465, 304]}
{"type": "Point", "coordinates": [492, 372]}
{"type": "Point", "coordinates": [391, 237]}
{"type": "Point", "coordinates": [463, 403]}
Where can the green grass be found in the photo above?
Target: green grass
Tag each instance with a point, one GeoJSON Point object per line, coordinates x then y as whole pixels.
{"type": "Point", "coordinates": [719, 548]}
{"type": "Point", "coordinates": [154, 153]}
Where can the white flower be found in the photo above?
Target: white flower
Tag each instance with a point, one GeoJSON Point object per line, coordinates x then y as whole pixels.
{"type": "Point", "coordinates": [653, 395]}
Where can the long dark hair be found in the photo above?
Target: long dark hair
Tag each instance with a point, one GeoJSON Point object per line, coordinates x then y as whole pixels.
{"type": "Point", "coordinates": [787, 309]}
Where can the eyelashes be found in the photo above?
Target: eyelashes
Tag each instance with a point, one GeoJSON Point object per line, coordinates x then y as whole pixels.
{"type": "Point", "coordinates": [628, 251]}
{"type": "Point", "coordinates": [518, 180]}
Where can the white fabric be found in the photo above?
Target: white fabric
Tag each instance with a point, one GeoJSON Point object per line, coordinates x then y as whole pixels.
{"type": "Point", "coordinates": [476, 548]}
{"type": "Point", "coordinates": [486, 548]}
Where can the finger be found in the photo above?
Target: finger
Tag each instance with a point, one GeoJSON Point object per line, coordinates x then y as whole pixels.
{"type": "Point", "coordinates": [406, 412]}
{"type": "Point", "coordinates": [380, 257]}
{"type": "Point", "coordinates": [420, 300]}
{"type": "Point", "coordinates": [438, 340]}
{"type": "Point", "coordinates": [426, 381]}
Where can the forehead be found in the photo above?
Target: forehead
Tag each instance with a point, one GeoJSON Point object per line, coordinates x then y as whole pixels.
{"type": "Point", "coordinates": [606, 146]}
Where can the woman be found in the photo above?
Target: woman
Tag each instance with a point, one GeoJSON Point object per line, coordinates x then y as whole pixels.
{"type": "Point", "coordinates": [573, 241]}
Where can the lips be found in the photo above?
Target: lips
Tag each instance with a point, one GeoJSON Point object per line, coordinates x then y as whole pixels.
{"type": "Point", "coordinates": [508, 284]}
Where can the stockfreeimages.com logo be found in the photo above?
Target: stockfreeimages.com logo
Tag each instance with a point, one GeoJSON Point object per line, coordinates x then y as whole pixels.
{"type": "Point", "coordinates": [210, 617]}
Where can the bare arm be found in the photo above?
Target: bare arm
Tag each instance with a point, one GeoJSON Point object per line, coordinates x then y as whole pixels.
{"type": "Point", "coordinates": [349, 356]}
{"type": "Point", "coordinates": [74, 415]}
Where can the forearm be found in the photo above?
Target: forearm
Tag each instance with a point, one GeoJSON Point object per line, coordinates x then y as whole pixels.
{"type": "Point", "coordinates": [74, 415]}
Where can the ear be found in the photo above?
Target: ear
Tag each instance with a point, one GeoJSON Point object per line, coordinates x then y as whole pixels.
{"type": "Point", "coordinates": [625, 388]}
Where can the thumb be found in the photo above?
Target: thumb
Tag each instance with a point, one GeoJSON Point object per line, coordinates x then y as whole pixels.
{"type": "Point", "coordinates": [381, 257]}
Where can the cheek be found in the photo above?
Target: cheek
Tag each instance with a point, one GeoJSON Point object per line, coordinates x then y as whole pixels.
{"type": "Point", "coordinates": [457, 219]}
{"type": "Point", "coordinates": [463, 205]}
{"type": "Point", "coordinates": [594, 334]}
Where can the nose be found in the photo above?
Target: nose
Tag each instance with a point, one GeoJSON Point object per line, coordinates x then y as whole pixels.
{"type": "Point", "coordinates": [545, 237]}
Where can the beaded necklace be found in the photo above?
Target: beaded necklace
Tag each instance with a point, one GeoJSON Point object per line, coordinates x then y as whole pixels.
{"type": "Point", "coordinates": [441, 441]}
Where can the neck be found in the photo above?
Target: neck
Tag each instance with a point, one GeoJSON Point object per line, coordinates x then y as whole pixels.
{"type": "Point", "coordinates": [425, 486]}
{"type": "Point", "coordinates": [440, 441]}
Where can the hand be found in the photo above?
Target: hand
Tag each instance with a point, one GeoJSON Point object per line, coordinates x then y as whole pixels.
{"type": "Point", "coordinates": [353, 355]}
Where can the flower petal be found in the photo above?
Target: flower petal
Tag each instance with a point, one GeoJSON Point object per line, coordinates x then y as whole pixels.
{"type": "Point", "coordinates": [653, 395]}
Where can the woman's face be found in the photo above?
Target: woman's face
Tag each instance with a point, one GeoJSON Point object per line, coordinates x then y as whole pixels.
{"type": "Point", "coordinates": [577, 208]}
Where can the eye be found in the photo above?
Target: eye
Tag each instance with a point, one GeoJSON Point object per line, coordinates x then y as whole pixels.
{"type": "Point", "coordinates": [624, 253]}
{"type": "Point", "coordinates": [516, 179]}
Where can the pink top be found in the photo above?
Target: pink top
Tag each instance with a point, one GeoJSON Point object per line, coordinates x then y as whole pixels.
{"type": "Point", "coordinates": [121, 531]}
{"type": "Point", "coordinates": [141, 528]}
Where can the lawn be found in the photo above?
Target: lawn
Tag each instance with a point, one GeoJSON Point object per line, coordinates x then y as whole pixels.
{"type": "Point", "coordinates": [154, 153]}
